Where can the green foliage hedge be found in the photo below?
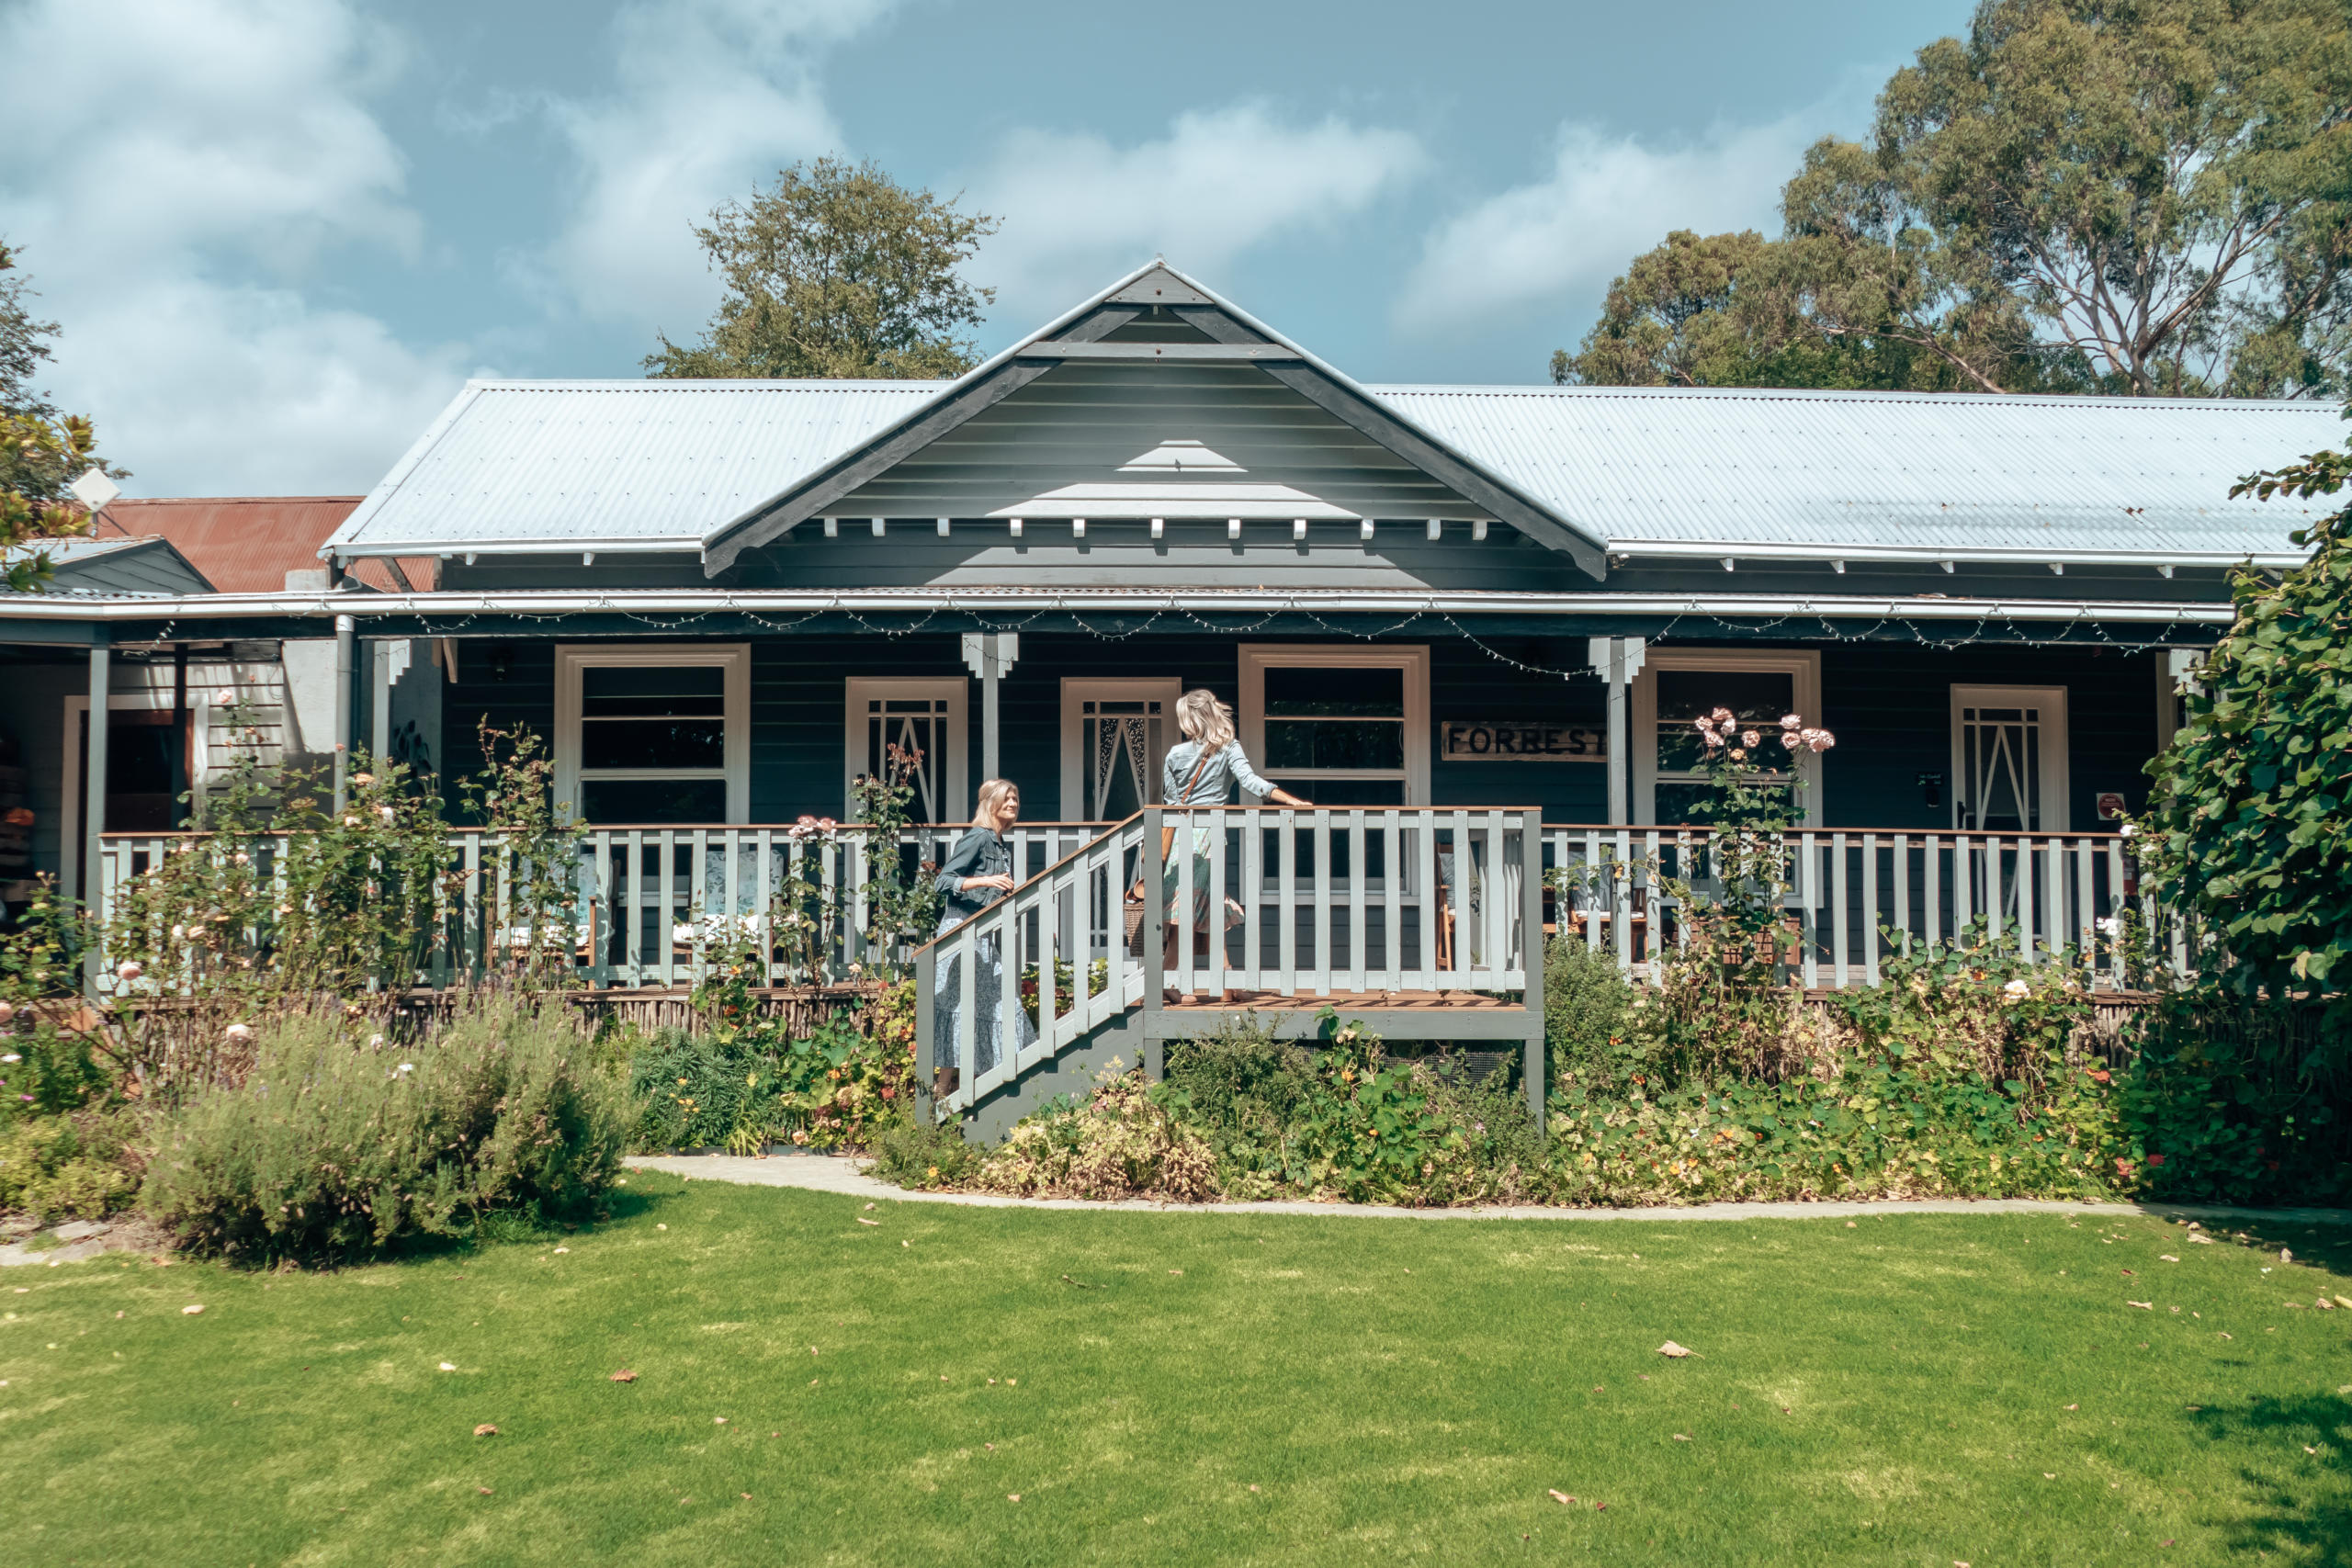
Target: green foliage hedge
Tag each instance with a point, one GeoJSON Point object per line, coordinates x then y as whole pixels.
{"type": "Point", "coordinates": [341, 1146]}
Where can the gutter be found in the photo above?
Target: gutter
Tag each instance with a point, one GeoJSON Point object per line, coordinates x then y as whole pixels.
{"type": "Point", "coordinates": [1918, 555]}
{"type": "Point", "coordinates": [326, 606]}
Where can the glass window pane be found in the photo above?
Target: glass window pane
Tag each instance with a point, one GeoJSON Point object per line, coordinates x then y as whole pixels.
{"type": "Point", "coordinates": [644, 690]}
{"type": "Point", "coordinates": [1763, 695]}
{"type": "Point", "coordinates": [604, 802]}
{"type": "Point", "coordinates": [1345, 692]}
{"type": "Point", "coordinates": [653, 743]}
{"type": "Point", "coordinates": [1681, 803]}
{"type": "Point", "coordinates": [1334, 743]}
{"type": "Point", "coordinates": [1346, 792]}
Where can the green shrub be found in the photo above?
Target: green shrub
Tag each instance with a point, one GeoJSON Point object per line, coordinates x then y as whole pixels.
{"type": "Point", "coordinates": [1122, 1140]}
{"type": "Point", "coordinates": [742, 1088]}
{"type": "Point", "coordinates": [1244, 1091]}
{"type": "Point", "coordinates": [1585, 1031]}
{"type": "Point", "coordinates": [1878, 1131]}
{"type": "Point", "coordinates": [45, 1071]}
{"type": "Point", "coordinates": [338, 1147]}
{"type": "Point", "coordinates": [2235, 1102]}
{"type": "Point", "coordinates": [926, 1155]}
{"type": "Point", "coordinates": [81, 1166]}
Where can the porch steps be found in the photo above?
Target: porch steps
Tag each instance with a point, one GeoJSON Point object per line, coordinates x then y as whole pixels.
{"type": "Point", "coordinates": [1327, 900]}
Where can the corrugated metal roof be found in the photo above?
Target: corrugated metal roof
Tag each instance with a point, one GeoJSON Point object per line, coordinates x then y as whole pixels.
{"type": "Point", "coordinates": [607, 464]}
{"type": "Point", "coordinates": [246, 544]}
{"type": "Point", "coordinates": [654, 464]}
{"type": "Point", "coordinates": [1958, 472]}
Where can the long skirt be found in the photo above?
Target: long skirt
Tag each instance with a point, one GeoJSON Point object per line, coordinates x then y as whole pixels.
{"type": "Point", "coordinates": [988, 993]}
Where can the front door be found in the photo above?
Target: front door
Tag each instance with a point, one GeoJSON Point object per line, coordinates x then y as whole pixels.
{"type": "Point", "coordinates": [2008, 759]}
{"type": "Point", "coordinates": [1114, 735]}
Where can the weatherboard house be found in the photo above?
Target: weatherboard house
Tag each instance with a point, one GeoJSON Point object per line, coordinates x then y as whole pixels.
{"type": "Point", "coordinates": [1471, 625]}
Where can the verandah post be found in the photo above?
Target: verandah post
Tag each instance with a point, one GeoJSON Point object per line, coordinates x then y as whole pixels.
{"type": "Point", "coordinates": [1151, 939]}
{"type": "Point", "coordinates": [1532, 955]}
{"type": "Point", "coordinates": [926, 1041]}
{"type": "Point", "coordinates": [94, 808]}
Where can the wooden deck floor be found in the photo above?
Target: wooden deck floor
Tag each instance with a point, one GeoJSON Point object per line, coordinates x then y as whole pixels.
{"type": "Point", "coordinates": [1385, 1001]}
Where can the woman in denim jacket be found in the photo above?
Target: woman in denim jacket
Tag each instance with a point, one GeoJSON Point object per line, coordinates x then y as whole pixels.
{"type": "Point", "coordinates": [976, 874]}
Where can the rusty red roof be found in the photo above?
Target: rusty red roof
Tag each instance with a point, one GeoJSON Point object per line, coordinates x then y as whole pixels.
{"type": "Point", "coordinates": [246, 544]}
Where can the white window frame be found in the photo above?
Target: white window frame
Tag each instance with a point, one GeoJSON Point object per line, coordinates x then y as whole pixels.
{"type": "Point", "coordinates": [1802, 667]}
{"type": "Point", "coordinates": [733, 659]}
{"type": "Point", "coordinates": [1076, 692]}
{"type": "Point", "coordinates": [2056, 740]}
{"type": "Point", "coordinates": [954, 689]}
{"type": "Point", "coordinates": [1413, 660]}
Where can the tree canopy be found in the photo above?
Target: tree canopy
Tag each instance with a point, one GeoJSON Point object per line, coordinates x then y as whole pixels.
{"type": "Point", "coordinates": [41, 451]}
{"type": "Point", "coordinates": [2146, 196]}
{"type": "Point", "coordinates": [837, 270]}
{"type": "Point", "coordinates": [2251, 818]}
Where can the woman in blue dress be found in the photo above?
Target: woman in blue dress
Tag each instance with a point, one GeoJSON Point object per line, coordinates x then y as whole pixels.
{"type": "Point", "coordinates": [976, 874]}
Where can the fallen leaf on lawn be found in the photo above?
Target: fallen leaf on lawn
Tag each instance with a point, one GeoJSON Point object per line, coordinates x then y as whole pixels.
{"type": "Point", "coordinates": [2048, 1475]}
{"type": "Point", "coordinates": [1253, 1486]}
{"type": "Point", "coordinates": [1560, 1497]}
{"type": "Point", "coordinates": [2167, 1258]}
{"type": "Point", "coordinates": [1600, 1508]}
{"type": "Point", "coordinates": [1681, 1438]}
{"type": "Point", "coordinates": [2223, 1333]}
{"type": "Point", "coordinates": [2286, 1255]}
{"type": "Point", "coordinates": [2128, 1275]}
{"type": "Point", "coordinates": [745, 1495]}
{"type": "Point", "coordinates": [2324, 1305]}
{"type": "Point", "coordinates": [1080, 1284]}
{"type": "Point", "coordinates": [485, 1431]}
{"type": "Point", "coordinates": [449, 1366]}
{"type": "Point", "coordinates": [483, 1490]}
{"type": "Point", "coordinates": [2344, 1301]}
{"type": "Point", "coordinates": [2074, 1407]}
{"type": "Point", "coordinates": [660, 1227]}
{"type": "Point", "coordinates": [563, 1249]}
{"type": "Point", "coordinates": [2309, 1450]}
{"type": "Point", "coordinates": [990, 1447]}
{"type": "Point", "coordinates": [2196, 1408]}
{"type": "Point", "coordinates": [1179, 1270]}
{"type": "Point", "coordinates": [1012, 1496]}
{"type": "Point", "coordinates": [1850, 1225]}
{"type": "Point", "coordinates": [191, 1311]}
{"type": "Point", "coordinates": [1672, 1348]}
{"type": "Point", "coordinates": [869, 1208]}
{"type": "Point", "coordinates": [2200, 1238]}
{"type": "Point", "coordinates": [718, 1420]}
{"type": "Point", "coordinates": [864, 1221]}
{"type": "Point", "coordinates": [2143, 1307]}
{"type": "Point", "coordinates": [1012, 1382]}
{"type": "Point", "coordinates": [624, 1375]}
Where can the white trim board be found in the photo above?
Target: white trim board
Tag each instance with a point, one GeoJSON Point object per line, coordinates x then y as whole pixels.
{"type": "Point", "coordinates": [733, 658]}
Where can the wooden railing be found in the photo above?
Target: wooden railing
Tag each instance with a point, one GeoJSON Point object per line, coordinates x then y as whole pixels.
{"type": "Point", "coordinates": [1327, 899]}
{"type": "Point", "coordinates": [1287, 905]}
{"type": "Point", "coordinates": [1858, 895]}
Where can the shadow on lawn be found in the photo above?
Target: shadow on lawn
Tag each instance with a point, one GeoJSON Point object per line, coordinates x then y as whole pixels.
{"type": "Point", "coordinates": [2299, 1501]}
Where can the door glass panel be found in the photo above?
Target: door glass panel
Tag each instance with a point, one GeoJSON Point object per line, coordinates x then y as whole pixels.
{"type": "Point", "coordinates": [917, 726]}
{"type": "Point", "coordinates": [2001, 769]}
{"type": "Point", "coordinates": [1120, 744]}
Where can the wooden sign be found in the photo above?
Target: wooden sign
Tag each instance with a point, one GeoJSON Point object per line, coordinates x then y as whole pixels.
{"type": "Point", "coordinates": [1519, 740]}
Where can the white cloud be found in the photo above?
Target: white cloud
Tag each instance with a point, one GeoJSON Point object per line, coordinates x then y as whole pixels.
{"type": "Point", "coordinates": [192, 167]}
{"type": "Point", "coordinates": [1605, 201]}
{"type": "Point", "coordinates": [1078, 211]}
{"type": "Point", "coordinates": [711, 96]}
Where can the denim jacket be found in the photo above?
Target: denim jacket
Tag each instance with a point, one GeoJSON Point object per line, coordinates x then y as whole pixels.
{"type": "Point", "coordinates": [978, 852]}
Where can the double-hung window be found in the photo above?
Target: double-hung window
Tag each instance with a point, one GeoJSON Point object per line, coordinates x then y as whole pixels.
{"type": "Point", "coordinates": [1340, 726]}
{"type": "Point", "coordinates": [655, 734]}
{"type": "Point", "coordinates": [1679, 686]}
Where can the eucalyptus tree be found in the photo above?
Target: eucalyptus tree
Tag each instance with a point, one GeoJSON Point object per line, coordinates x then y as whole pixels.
{"type": "Point", "coordinates": [2144, 196]}
{"type": "Point", "coordinates": [837, 270]}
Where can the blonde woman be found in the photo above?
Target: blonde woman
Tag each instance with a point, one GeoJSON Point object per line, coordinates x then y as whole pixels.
{"type": "Point", "coordinates": [1201, 771]}
{"type": "Point", "coordinates": [976, 874]}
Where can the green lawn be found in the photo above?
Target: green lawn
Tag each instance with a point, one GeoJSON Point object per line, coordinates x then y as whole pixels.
{"type": "Point", "coordinates": [1192, 1388]}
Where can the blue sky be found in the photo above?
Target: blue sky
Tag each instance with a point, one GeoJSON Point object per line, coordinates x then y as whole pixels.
{"type": "Point", "coordinates": [280, 233]}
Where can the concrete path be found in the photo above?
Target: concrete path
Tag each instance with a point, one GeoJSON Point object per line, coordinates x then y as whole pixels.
{"type": "Point", "coordinates": [830, 1173]}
